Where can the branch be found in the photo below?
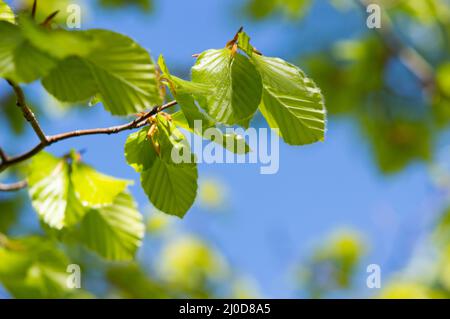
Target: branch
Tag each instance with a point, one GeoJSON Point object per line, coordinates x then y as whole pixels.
{"type": "Point", "coordinates": [13, 187]}
{"type": "Point", "coordinates": [3, 156]}
{"type": "Point", "coordinates": [139, 122]}
{"type": "Point", "coordinates": [408, 55]}
{"type": "Point", "coordinates": [27, 112]}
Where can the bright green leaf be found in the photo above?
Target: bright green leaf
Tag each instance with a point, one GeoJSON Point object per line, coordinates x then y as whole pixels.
{"type": "Point", "coordinates": [244, 43]}
{"type": "Point", "coordinates": [6, 14]}
{"type": "Point", "coordinates": [125, 74]}
{"type": "Point", "coordinates": [171, 188]}
{"type": "Point", "coordinates": [139, 150]}
{"type": "Point", "coordinates": [291, 102]}
{"type": "Point", "coordinates": [52, 193]}
{"type": "Point", "coordinates": [236, 85]}
{"type": "Point", "coordinates": [71, 81]}
{"type": "Point", "coordinates": [94, 189]}
{"type": "Point", "coordinates": [116, 231]}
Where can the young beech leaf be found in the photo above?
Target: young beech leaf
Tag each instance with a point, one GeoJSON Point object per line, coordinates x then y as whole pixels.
{"type": "Point", "coordinates": [139, 151]}
{"type": "Point", "coordinates": [118, 72]}
{"type": "Point", "coordinates": [170, 185]}
{"type": "Point", "coordinates": [244, 43]}
{"type": "Point", "coordinates": [71, 81]}
{"type": "Point", "coordinates": [236, 85]}
{"type": "Point", "coordinates": [116, 231]}
{"type": "Point", "coordinates": [36, 268]}
{"type": "Point", "coordinates": [6, 14]}
{"type": "Point", "coordinates": [19, 60]}
{"type": "Point", "coordinates": [51, 191]}
{"type": "Point", "coordinates": [62, 191]}
{"type": "Point", "coordinates": [94, 189]}
{"type": "Point", "coordinates": [171, 188]}
{"type": "Point", "coordinates": [291, 101]}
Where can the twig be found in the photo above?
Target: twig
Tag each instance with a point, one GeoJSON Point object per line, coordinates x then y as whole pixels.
{"type": "Point", "coordinates": [408, 55]}
{"type": "Point", "coordinates": [27, 112]}
{"type": "Point", "coordinates": [137, 123]}
{"type": "Point", "coordinates": [13, 187]}
{"type": "Point", "coordinates": [3, 156]}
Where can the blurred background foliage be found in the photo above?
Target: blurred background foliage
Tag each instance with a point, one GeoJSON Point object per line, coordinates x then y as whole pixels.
{"type": "Point", "coordinates": [393, 82]}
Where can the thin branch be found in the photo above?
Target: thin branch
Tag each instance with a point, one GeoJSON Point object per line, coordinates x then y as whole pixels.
{"type": "Point", "coordinates": [138, 122]}
{"type": "Point", "coordinates": [3, 156]}
{"type": "Point", "coordinates": [408, 55]}
{"type": "Point", "coordinates": [27, 112]}
{"type": "Point", "coordinates": [13, 187]}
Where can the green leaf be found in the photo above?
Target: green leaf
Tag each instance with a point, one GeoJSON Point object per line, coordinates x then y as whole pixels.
{"type": "Point", "coordinates": [236, 85]}
{"type": "Point", "coordinates": [58, 43]}
{"type": "Point", "coordinates": [19, 60]}
{"type": "Point", "coordinates": [291, 102]}
{"type": "Point", "coordinates": [10, 39]}
{"type": "Point", "coordinates": [51, 191]}
{"type": "Point", "coordinates": [6, 14]}
{"type": "Point", "coordinates": [115, 232]}
{"type": "Point", "coordinates": [125, 74]}
{"type": "Point", "coordinates": [171, 188]}
{"type": "Point", "coordinates": [31, 63]}
{"type": "Point", "coordinates": [244, 43]}
{"type": "Point", "coordinates": [139, 151]}
{"type": "Point", "coordinates": [71, 81]}
{"type": "Point", "coordinates": [62, 191]}
{"type": "Point", "coordinates": [119, 70]}
{"type": "Point", "coordinates": [34, 267]}
{"type": "Point", "coordinates": [94, 189]}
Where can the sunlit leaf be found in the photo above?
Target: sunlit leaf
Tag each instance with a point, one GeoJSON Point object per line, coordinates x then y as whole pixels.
{"type": "Point", "coordinates": [115, 232]}
{"type": "Point", "coordinates": [171, 188]}
{"type": "Point", "coordinates": [6, 14]}
{"type": "Point", "coordinates": [236, 85]}
{"type": "Point", "coordinates": [51, 191]}
{"type": "Point", "coordinates": [291, 102]}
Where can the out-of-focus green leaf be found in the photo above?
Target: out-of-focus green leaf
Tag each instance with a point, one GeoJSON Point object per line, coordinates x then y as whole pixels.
{"type": "Point", "coordinates": [398, 142]}
{"type": "Point", "coordinates": [190, 263]}
{"type": "Point", "coordinates": [291, 102]}
{"type": "Point", "coordinates": [33, 267]}
{"type": "Point", "coordinates": [132, 282]}
{"type": "Point", "coordinates": [47, 7]}
{"type": "Point", "coordinates": [116, 231]}
{"type": "Point", "coordinates": [146, 5]}
{"type": "Point", "coordinates": [236, 85]}
{"type": "Point", "coordinates": [293, 9]}
{"type": "Point", "coordinates": [332, 265]}
{"type": "Point", "coordinates": [10, 212]}
{"type": "Point", "coordinates": [6, 14]}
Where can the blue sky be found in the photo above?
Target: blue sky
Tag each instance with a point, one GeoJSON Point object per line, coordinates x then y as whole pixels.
{"type": "Point", "coordinates": [272, 220]}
